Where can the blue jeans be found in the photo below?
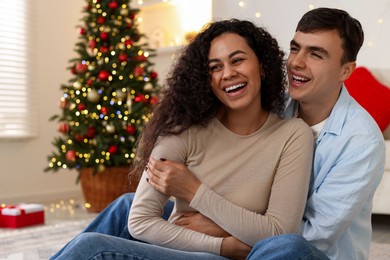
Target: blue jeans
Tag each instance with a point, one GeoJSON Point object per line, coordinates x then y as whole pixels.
{"type": "Point", "coordinates": [286, 247]}
{"type": "Point", "coordinates": [107, 237]}
{"type": "Point", "coordinates": [113, 219]}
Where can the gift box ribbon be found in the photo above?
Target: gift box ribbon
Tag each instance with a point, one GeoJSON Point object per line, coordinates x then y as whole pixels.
{"type": "Point", "coordinates": [21, 209]}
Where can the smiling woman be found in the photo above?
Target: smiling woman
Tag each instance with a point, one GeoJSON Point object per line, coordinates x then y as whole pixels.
{"type": "Point", "coordinates": [230, 158]}
{"type": "Point", "coordinates": [16, 104]}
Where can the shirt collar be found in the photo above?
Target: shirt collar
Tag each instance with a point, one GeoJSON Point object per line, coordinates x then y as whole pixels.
{"type": "Point", "coordinates": [336, 119]}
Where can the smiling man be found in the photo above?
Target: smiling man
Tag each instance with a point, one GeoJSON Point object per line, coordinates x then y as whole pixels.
{"type": "Point", "coordinates": [349, 147]}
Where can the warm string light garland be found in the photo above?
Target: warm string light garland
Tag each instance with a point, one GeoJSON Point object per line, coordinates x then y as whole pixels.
{"type": "Point", "coordinates": [60, 207]}
{"type": "Point", "coordinates": [249, 8]}
{"type": "Point", "coordinates": [69, 206]}
{"type": "Point", "coordinates": [373, 35]}
{"type": "Point", "coordinates": [109, 99]}
{"type": "Point", "coordinates": [66, 208]}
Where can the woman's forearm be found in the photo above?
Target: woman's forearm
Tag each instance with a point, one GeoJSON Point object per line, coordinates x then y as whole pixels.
{"type": "Point", "coordinates": [233, 248]}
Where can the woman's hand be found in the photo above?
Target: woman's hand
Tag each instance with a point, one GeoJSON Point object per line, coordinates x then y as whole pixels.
{"type": "Point", "coordinates": [172, 179]}
{"type": "Point", "coordinates": [233, 248]}
{"type": "Point", "coordinates": [200, 223]}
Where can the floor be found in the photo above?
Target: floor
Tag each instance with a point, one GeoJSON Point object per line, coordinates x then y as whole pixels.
{"type": "Point", "coordinates": [74, 209]}
{"type": "Point", "coordinates": [381, 228]}
{"type": "Point", "coordinates": [62, 210]}
{"type": "Point", "coordinates": [67, 210]}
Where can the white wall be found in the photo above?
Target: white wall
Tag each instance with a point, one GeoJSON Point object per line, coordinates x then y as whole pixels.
{"type": "Point", "coordinates": [21, 163]}
{"type": "Point", "coordinates": [22, 178]}
{"type": "Point", "coordinates": [281, 17]}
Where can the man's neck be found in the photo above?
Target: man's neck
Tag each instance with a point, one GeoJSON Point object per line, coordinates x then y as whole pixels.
{"type": "Point", "coordinates": [313, 114]}
{"type": "Point", "coordinates": [316, 111]}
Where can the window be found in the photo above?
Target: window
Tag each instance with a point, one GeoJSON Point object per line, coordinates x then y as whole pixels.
{"type": "Point", "coordinates": [16, 108]}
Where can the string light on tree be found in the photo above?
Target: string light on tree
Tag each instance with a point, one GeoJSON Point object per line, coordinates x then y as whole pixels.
{"type": "Point", "coordinates": [110, 94]}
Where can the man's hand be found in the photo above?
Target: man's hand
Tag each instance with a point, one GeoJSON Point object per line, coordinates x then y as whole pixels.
{"type": "Point", "coordinates": [231, 248]}
{"type": "Point", "coordinates": [200, 223]}
{"type": "Point", "coordinates": [172, 179]}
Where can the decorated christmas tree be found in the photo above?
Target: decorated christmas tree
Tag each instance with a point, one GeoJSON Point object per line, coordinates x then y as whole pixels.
{"type": "Point", "coordinates": [111, 92]}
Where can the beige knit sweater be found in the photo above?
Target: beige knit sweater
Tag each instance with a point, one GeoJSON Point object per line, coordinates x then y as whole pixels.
{"type": "Point", "coordinates": [253, 186]}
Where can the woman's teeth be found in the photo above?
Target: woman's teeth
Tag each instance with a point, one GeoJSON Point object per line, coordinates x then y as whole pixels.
{"type": "Point", "coordinates": [234, 87]}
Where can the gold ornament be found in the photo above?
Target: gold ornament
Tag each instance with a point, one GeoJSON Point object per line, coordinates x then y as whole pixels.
{"type": "Point", "coordinates": [124, 12]}
{"type": "Point", "coordinates": [77, 85]}
{"type": "Point", "coordinates": [110, 129]}
{"type": "Point", "coordinates": [93, 96]}
{"type": "Point", "coordinates": [101, 168]}
{"type": "Point", "coordinates": [120, 95]}
{"type": "Point", "coordinates": [148, 86]}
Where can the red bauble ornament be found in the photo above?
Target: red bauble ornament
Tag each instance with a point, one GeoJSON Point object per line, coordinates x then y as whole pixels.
{"type": "Point", "coordinates": [101, 20]}
{"type": "Point", "coordinates": [90, 132]}
{"type": "Point", "coordinates": [73, 70]}
{"type": "Point", "coordinates": [140, 98]}
{"type": "Point", "coordinates": [92, 44]}
{"type": "Point", "coordinates": [89, 82]}
{"type": "Point", "coordinates": [70, 156]}
{"type": "Point", "coordinates": [153, 75]}
{"type": "Point", "coordinates": [88, 7]}
{"type": "Point", "coordinates": [153, 100]}
{"type": "Point", "coordinates": [140, 58]}
{"type": "Point", "coordinates": [129, 42]}
{"type": "Point", "coordinates": [82, 31]}
{"type": "Point", "coordinates": [103, 49]}
{"type": "Point", "coordinates": [103, 75]}
{"type": "Point", "coordinates": [132, 16]}
{"type": "Point", "coordinates": [81, 68]}
{"type": "Point", "coordinates": [113, 149]}
{"type": "Point", "coordinates": [104, 36]}
{"type": "Point", "coordinates": [138, 71]}
{"type": "Point", "coordinates": [78, 137]}
{"type": "Point", "coordinates": [113, 5]}
{"type": "Point", "coordinates": [131, 129]}
{"type": "Point", "coordinates": [122, 57]}
{"type": "Point", "coordinates": [63, 128]}
{"type": "Point", "coordinates": [81, 106]}
{"type": "Point", "coordinates": [104, 110]}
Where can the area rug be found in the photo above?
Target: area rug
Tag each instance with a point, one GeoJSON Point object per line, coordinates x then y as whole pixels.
{"type": "Point", "coordinates": [38, 242]}
{"type": "Point", "coordinates": [41, 242]}
{"type": "Point", "coordinates": [379, 251]}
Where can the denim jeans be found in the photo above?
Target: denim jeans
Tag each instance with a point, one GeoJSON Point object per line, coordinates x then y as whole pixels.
{"type": "Point", "coordinates": [107, 237]}
{"type": "Point", "coordinates": [286, 247]}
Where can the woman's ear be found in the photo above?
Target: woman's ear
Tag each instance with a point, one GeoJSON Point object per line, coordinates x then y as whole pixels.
{"type": "Point", "coordinates": [347, 70]}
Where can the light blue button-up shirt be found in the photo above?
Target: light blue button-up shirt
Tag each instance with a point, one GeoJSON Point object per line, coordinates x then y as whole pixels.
{"type": "Point", "coordinates": [348, 165]}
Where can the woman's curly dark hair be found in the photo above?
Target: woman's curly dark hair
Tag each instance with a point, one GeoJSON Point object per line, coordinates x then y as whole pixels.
{"type": "Point", "coordinates": [188, 99]}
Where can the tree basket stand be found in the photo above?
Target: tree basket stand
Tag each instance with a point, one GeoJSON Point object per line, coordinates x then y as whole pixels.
{"type": "Point", "coordinates": [101, 188]}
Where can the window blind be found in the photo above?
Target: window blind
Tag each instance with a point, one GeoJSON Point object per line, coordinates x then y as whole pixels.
{"type": "Point", "coordinates": [16, 106]}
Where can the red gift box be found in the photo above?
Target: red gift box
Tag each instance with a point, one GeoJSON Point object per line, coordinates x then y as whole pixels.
{"type": "Point", "coordinates": [21, 215]}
